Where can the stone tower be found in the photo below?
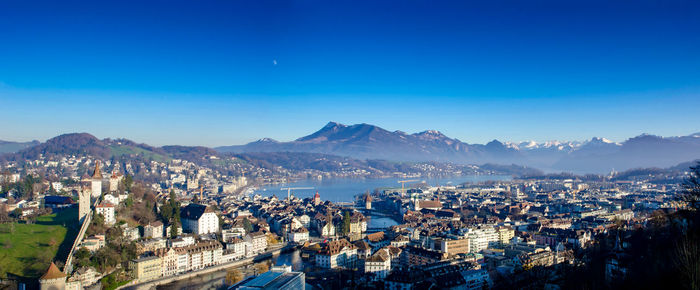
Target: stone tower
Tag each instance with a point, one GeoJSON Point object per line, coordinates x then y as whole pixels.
{"type": "Point", "coordinates": [83, 204]}
{"type": "Point", "coordinates": [54, 279]}
{"type": "Point", "coordinates": [97, 181]}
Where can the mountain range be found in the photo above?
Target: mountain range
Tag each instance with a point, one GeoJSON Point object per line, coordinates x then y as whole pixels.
{"type": "Point", "coordinates": [9, 146]}
{"type": "Point", "coordinates": [598, 155]}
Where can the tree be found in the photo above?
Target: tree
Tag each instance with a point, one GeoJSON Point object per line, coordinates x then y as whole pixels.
{"type": "Point", "coordinates": [247, 225]}
{"type": "Point", "coordinates": [261, 268]}
{"type": "Point", "coordinates": [82, 257]}
{"type": "Point", "coordinates": [173, 230]}
{"type": "Point", "coordinates": [691, 188]}
{"type": "Point", "coordinates": [233, 276]}
{"type": "Point", "coordinates": [346, 223]}
{"type": "Point", "coordinates": [128, 182]}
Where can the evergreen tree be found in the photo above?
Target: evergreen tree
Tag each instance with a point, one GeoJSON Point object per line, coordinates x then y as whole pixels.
{"type": "Point", "coordinates": [346, 223]}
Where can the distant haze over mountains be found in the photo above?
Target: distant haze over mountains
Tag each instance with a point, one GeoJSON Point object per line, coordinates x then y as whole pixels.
{"type": "Point", "coordinates": [9, 146]}
{"type": "Point", "coordinates": [597, 155]}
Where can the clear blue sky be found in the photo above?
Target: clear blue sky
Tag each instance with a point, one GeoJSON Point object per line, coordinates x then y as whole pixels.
{"type": "Point", "coordinates": [229, 72]}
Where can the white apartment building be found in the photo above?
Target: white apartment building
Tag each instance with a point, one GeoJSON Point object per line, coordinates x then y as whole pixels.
{"type": "Point", "coordinates": [257, 243]}
{"type": "Point", "coordinates": [298, 236]}
{"type": "Point", "coordinates": [107, 211]}
{"type": "Point", "coordinates": [482, 238]}
{"type": "Point", "coordinates": [153, 230]}
{"type": "Point", "coordinates": [199, 219]}
{"type": "Point", "coordinates": [237, 247]}
{"type": "Point", "coordinates": [379, 264]}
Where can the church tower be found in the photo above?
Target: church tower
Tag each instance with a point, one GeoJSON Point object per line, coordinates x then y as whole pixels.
{"type": "Point", "coordinates": [368, 201]}
{"type": "Point", "coordinates": [97, 181]}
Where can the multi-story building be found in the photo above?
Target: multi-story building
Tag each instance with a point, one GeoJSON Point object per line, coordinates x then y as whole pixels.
{"type": "Point", "coordinates": [505, 234]}
{"type": "Point", "coordinates": [153, 230]}
{"type": "Point", "coordinates": [452, 246]}
{"type": "Point", "coordinates": [298, 236]}
{"type": "Point", "coordinates": [203, 254]}
{"type": "Point", "coordinates": [415, 256]}
{"type": "Point", "coordinates": [256, 243]}
{"type": "Point", "coordinates": [106, 209]}
{"type": "Point", "coordinates": [237, 248]}
{"type": "Point", "coordinates": [378, 264]}
{"type": "Point", "coordinates": [482, 238]}
{"type": "Point", "coordinates": [168, 261]}
{"type": "Point", "coordinates": [199, 219]}
{"type": "Point", "coordinates": [334, 254]}
{"type": "Point", "coordinates": [145, 269]}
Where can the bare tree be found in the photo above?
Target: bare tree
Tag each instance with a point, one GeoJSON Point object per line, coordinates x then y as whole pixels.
{"type": "Point", "coordinates": [233, 276]}
{"type": "Point", "coordinates": [691, 188]}
{"type": "Point", "coordinates": [687, 260]}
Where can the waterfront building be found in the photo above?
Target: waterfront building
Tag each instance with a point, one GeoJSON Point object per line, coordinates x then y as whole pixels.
{"type": "Point", "coordinates": [257, 243]}
{"type": "Point", "coordinates": [203, 254]}
{"type": "Point", "coordinates": [334, 254]}
{"type": "Point", "coordinates": [168, 261]}
{"type": "Point", "coordinates": [298, 236]}
{"type": "Point", "coordinates": [199, 219]}
{"type": "Point", "coordinates": [145, 269]}
{"type": "Point", "coordinates": [278, 278]}
{"type": "Point", "coordinates": [237, 247]}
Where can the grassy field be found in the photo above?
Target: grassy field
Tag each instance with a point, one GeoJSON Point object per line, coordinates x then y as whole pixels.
{"type": "Point", "coordinates": [26, 250]}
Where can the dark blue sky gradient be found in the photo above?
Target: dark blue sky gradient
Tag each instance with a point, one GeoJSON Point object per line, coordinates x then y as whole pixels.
{"type": "Point", "coordinates": [202, 72]}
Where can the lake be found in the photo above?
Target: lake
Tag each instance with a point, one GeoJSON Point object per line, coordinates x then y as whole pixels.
{"type": "Point", "coordinates": [345, 189]}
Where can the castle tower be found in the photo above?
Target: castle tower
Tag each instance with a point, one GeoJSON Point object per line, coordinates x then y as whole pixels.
{"type": "Point", "coordinates": [54, 279]}
{"type": "Point", "coordinates": [83, 204]}
{"type": "Point", "coordinates": [97, 181]}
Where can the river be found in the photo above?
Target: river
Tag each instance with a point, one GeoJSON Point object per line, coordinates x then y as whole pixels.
{"type": "Point", "coordinates": [345, 189]}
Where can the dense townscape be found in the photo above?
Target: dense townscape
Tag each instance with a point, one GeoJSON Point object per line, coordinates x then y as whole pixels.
{"type": "Point", "coordinates": [177, 219]}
